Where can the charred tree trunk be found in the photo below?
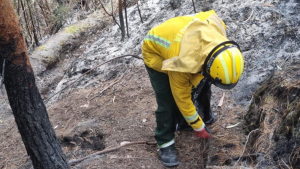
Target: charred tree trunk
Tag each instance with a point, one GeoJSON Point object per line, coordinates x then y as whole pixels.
{"type": "Point", "coordinates": [36, 40]}
{"type": "Point", "coordinates": [26, 22]}
{"type": "Point", "coordinates": [28, 108]}
{"type": "Point", "coordinates": [125, 8]}
{"type": "Point", "coordinates": [194, 6]}
{"type": "Point", "coordinates": [18, 8]}
{"type": "Point", "coordinates": [121, 20]}
{"type": "Point", "coordinates": [44, 13]}
{"type": "Point", "coordinates": [137, 4]}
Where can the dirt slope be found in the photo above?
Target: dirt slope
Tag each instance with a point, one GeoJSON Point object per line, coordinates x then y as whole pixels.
{"type": "Point", "coordinates": [268, 33]}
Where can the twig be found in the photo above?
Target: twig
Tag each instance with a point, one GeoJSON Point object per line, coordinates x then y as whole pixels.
{"type": "Point", "coordinates": [292, 151]}
{"type": "Point", "coordinates": [137, 4]}
{"type": "Point", "coordinates": [286, 164]}
{"type": "Point", "coordinates": [123, 144]}
{"type": "Point", "coordinates": [222, 99]}
{"type": "Point", "coordinates": [23, 10]}
{"type": "Point", "coordinates": [194, 6]}
{"type": "Point", "coordinates": [250, 15]}
{"type": "Point", "coordinates": [138, 158]}
{"type": "Point", "coordinates": [227, 167]}
{"type": "Point", "coordinates": [245, 145]}
{"type": "Point", "coordinates": [105, 9]}
{"type": "Point", "coordinates": [108, 87]}
{"type": "Point", "coordinates": [89, 72]}
{"type": "Point", "coordinates": [112, 12]}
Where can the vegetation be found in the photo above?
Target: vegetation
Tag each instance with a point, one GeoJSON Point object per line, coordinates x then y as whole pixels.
{"type": "Point", "coordinates": [275, 114]}
{"type": "Point", "coordinates": [41, 18]}
{"type": "Point", "coordinates": [25, 100]}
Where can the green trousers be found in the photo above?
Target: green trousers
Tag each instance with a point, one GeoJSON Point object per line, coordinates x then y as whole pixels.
{"type": "Point", "coordinates": [167, 109]}
{"type": "Point", "coordinates": [168, 114]}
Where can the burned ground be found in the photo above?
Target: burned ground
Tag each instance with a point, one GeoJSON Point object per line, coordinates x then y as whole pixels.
{"type": "Point", "coordinates": [257, 124]}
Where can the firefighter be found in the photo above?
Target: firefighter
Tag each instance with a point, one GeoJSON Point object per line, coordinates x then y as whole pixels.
{"type": "Point", "coordinates": [183, 57]}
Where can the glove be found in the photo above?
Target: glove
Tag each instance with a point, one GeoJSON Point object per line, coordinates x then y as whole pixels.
{"type": "Point", "coordinates": [204, 134]}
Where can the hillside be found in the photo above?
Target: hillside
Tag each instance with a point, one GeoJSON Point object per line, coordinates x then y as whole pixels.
{"type": "Point", "coordinates": [257, 124]}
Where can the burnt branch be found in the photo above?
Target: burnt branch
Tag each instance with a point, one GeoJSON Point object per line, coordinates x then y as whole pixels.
{"type": "Point", "coordinates": [121, 18]}
{"type": "Point", "coordinates": [112, 12]}
{"type": "Point", "coordinates": [123, 144]}
{"type": "Point", "coordinates": [194, 6]}
{"type": "Point", "coordinates": [137, 4]}
{"type": "Point", "coordinates": [125, 8]}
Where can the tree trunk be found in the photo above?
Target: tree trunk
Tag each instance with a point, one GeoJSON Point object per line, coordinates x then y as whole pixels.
{"type": "Point", "coordinates": [121, 20]}
{"type": "Point", "coordinates": [137, 4]}
{"type": "Point", "coordinates": [125, 8]}
{"type": "Point", "coordinates": [28, 108]}
{"type": "Point", "coordinates": [33, 26]}
{"type": "Point", "coordinates": [26, 22]}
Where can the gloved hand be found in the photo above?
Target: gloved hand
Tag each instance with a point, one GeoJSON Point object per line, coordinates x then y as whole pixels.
{"type": "Point", "coordinates": [204, 134]}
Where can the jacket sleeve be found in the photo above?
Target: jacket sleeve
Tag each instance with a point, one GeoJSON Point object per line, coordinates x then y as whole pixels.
{"type": "Point", "coordinates": [181, 89]}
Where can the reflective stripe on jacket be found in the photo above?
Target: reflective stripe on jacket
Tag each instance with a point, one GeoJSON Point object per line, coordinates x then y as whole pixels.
{"type": "Point", "coordinates": [169, 48]}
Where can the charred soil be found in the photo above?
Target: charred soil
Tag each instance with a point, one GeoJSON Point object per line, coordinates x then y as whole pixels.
{"type": "Point", "coordinates": [114, 104]}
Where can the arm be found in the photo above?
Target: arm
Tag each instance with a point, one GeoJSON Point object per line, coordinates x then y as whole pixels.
{"type": "Point", "coordinates": [181, 90]}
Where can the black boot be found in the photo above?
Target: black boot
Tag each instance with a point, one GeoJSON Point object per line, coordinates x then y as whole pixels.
{"type": "Point", "coordinates": [168, 156]}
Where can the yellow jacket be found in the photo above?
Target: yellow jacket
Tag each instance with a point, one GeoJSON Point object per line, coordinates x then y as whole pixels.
{"type": "Point", "coordinates": [179, 47]}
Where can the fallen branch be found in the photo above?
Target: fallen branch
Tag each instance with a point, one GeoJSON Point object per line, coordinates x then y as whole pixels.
{"type": "Point", "coordinates": [245, 145]}
{"type": "Point", "coordinates": [286, 164]}
{"type": "Point", "coordinates": [250, 15]}
{"type": "Point", "coordinates": [222, 99]}
{"type": "Point", "coordinates": [227, 167]}
{"type": "Point", "coordinates": [123, 144]}
{"type": "Point", "coordinates": [89, 72]}
{"type": "Point", "coordinates": [108, 87]}
{"type": "Point", "coordinates": [231, 126]}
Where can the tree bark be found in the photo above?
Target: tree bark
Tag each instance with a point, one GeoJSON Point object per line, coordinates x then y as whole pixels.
{"type": "Point", "coordinates": [28, 108]}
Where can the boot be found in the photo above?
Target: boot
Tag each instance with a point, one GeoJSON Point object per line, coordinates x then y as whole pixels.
{"type": "Point", "coordinates": [168, 156]}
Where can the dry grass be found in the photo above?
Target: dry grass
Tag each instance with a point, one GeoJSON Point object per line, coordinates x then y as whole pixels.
{"type": "Point", "coordinates": [277, 118]}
